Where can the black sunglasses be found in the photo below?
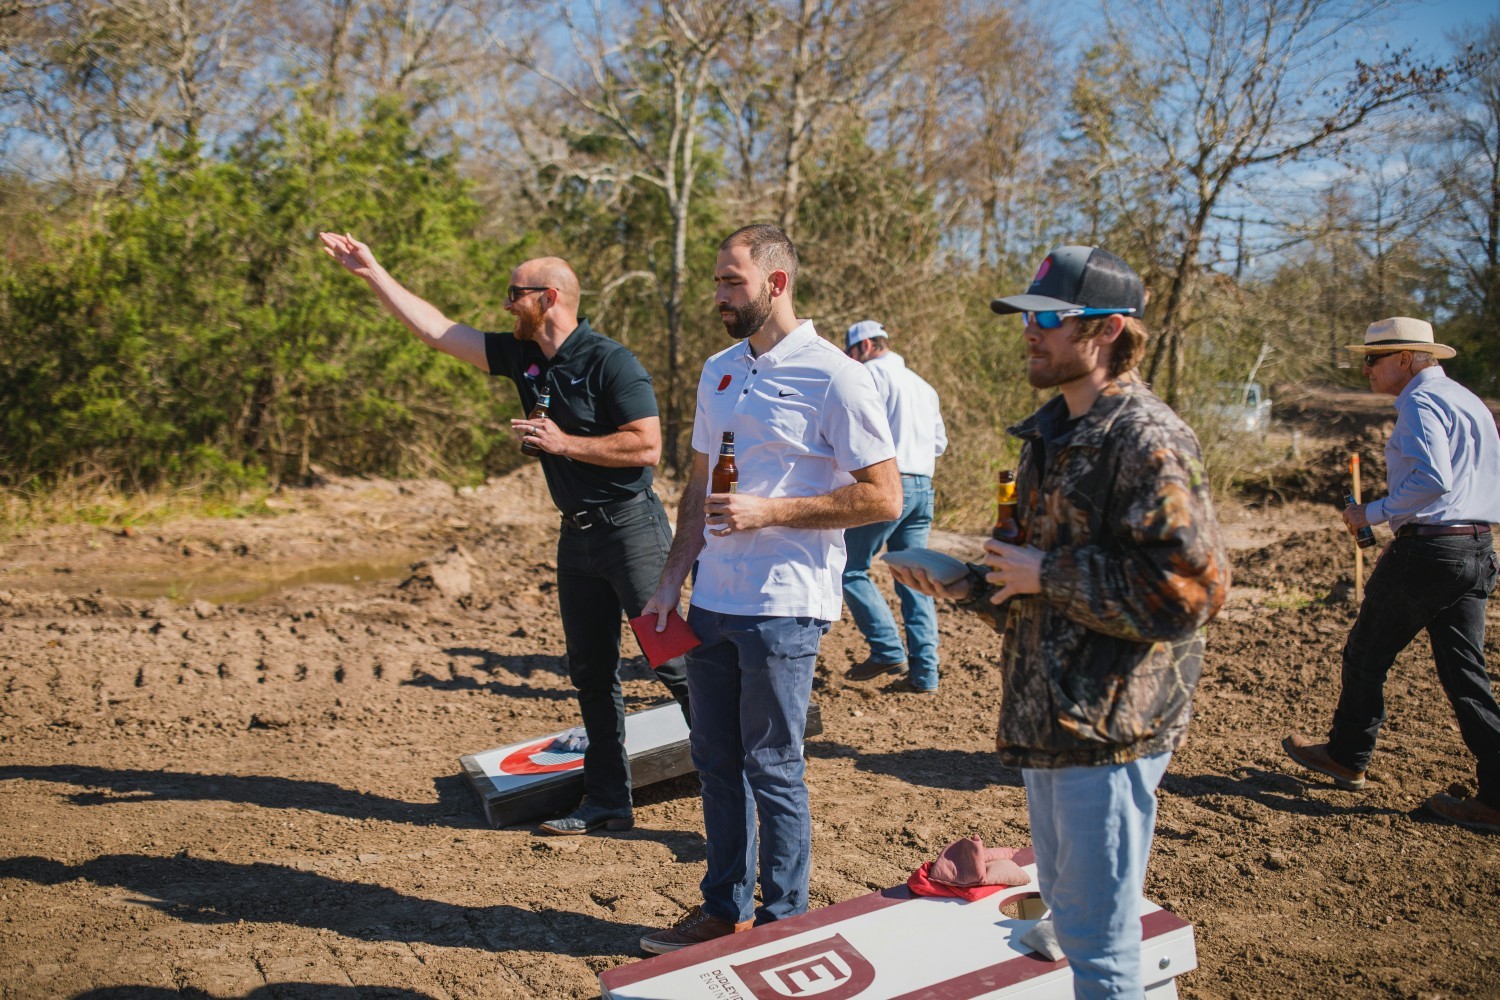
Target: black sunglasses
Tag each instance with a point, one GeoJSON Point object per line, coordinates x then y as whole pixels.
{"type": "Point", "coordinates": [514, 292]}
{"type": "Point", "coordinates": [1373, 359]}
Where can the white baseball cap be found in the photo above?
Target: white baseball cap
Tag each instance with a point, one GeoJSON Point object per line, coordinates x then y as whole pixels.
{"type": "Point", "coordinates": [866, 329]}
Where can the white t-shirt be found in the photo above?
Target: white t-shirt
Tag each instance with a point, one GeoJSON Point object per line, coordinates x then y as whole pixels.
{"type": "Point", "coordinates": [911, 405]}
{"type": "Point", "coordinates": [804, 416]}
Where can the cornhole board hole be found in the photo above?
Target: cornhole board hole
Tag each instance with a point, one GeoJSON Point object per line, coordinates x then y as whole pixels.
{"type": "Point", "coordinates": [893, 945]}
{"type": "Point", "coordinates": [526, 781]}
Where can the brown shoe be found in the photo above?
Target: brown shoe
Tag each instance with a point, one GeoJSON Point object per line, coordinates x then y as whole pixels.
{"type": "Point", "coordinates": [1314, 757]}
{"type": "Point", "coordinates": [1465, 812]}
{"type": "Point", "coordinates": [869, 670]}
{"type": "Point", "coordinates": [695, 928]}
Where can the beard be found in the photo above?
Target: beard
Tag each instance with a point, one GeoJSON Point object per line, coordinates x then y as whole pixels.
{"type": "Point", "coordinates": [528, 325]}
{"type": "Point", "coordinates": [1055, 371]}
{"type": "Point", "coordinates": [747, 320]}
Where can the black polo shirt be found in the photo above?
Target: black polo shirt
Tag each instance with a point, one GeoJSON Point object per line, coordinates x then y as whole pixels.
{"type": "Point", "coordinates": [597, 386]}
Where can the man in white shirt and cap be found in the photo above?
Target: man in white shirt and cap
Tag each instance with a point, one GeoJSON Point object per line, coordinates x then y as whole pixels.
{"type": "Point", "coordinates": [911, 406]}
{"type": "Point", "coordinates": [1442, 494]}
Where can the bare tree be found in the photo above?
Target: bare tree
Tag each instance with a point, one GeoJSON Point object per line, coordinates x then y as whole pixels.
{"type": "Point", "coordinates": [649, 91]}
{"type": "Point", "coordinates": [1469, 171]}
{"type": "Point", "coordinates": [94, 84]}
{"type": "Point", "coordinates": [1230, 92]}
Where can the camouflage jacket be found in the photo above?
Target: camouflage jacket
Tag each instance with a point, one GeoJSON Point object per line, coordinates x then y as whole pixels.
{"type": "Point", "coordinates": [1100, 667]}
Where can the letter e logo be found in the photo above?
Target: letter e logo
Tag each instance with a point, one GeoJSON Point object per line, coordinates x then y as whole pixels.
{"type": "Point", "coordinates": [830, 969]}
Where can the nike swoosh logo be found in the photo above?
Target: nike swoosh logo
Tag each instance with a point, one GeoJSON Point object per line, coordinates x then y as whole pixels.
{"type": "Point", "coordinates": [784, 393]}
{"type": "Point", "coordinates": [579, 379]}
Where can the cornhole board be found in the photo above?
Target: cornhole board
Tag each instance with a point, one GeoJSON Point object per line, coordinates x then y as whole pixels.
{"type": "Point", "coordinates": [526, 781]}
{"type": "Point", "coordinates": [893, 945]}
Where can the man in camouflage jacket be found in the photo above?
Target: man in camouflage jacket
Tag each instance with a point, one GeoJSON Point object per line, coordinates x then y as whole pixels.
{"type": "Point", "coordinates": [1101, 666]}
{"type": "Point", "coordinates": [1102, 609]}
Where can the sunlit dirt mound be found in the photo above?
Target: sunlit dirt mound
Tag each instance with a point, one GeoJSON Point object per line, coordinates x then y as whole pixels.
{"type": "Point", "coordinates": [1312, 558]}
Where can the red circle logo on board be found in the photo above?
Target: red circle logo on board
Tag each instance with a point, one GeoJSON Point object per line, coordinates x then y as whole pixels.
{"type": "Point", "coordinates": [724, 382]}
{"type": "Point", "coordinates": [519, 761]}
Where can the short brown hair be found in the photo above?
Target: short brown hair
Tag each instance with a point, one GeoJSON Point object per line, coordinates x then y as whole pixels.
{"type": "Point", "coordinates": [1129, 348]}
{"type": "Point", "coordinates": [770, 248]}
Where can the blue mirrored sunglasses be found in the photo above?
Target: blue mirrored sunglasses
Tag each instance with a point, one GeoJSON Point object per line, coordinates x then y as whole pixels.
{"type": "Point", "coordinates": [1053, 320]}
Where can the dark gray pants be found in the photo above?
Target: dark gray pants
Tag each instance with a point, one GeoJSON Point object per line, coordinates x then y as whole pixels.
{"type": "Point", "coordinates": [1441, 584]}
{"type": "Point", "coordinates": [613, 566]}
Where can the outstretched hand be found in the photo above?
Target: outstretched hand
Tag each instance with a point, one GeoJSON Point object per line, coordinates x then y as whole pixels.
{"type": "Point", "coordinates": [350, 252]}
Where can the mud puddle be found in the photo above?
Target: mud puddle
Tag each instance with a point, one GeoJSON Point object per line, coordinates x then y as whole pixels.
{"type": "Point", "coordinates": [242, 585]}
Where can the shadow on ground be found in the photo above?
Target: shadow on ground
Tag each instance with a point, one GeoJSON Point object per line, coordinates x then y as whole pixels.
{"type": "Point", "coordinates": [201, 891]}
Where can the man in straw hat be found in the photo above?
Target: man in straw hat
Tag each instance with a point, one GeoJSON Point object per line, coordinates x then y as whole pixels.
{"type": "Point", "coordinates": [1102, 610]}
{"type": "Point", "coordinates": [1442, 493]}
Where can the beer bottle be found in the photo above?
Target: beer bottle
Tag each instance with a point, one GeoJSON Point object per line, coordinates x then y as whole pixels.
{"type": "Point", "coordinates": [1007, 528]}
{"type": "Point", "coordinates": [726, 477]}
{"type": "Point", "coordinates": [1366, 536]}
{"type": "Point", "coordinates": [543, 402]}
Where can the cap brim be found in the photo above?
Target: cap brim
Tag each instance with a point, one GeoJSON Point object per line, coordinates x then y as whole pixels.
{"type": "Point", "coordinates": [1030, 303]}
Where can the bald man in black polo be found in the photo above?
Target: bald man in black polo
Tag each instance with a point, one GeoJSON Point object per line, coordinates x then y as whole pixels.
{"type": "Point", "coordinates": [598, 444]}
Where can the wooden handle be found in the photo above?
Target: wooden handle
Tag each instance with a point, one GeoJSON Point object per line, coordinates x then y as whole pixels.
{"type": "Point", "coordinates": [1359, 553]}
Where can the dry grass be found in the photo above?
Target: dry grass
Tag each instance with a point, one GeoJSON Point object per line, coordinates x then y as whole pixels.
{"type": "Point", "coordinates": [96, 500]}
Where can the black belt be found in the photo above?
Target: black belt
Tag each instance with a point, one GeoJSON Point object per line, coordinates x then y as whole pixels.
{"type": "Point", "coordinates": [1427, 530]}
{"type": "Point", "coordinates": [592, 517]}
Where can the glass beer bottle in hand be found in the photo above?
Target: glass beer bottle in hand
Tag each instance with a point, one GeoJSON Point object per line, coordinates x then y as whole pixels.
{"type": "Point", "coordinates": [1007, 528]}
{"type": "Point", "coordinates": [543, 403]}
{"type": "Point", "coordinates": [1366, 536]}
{"type": "Point", "coordinates": [726, 475]}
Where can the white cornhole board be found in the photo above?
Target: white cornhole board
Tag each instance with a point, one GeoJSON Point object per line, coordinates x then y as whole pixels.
{"type": "Point", "coordinates": [526, 780]}
{"type": "Point", "coordinates": [893, 945]}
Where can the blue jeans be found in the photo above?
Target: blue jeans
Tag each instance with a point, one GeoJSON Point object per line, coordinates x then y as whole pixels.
{"type": "Point", "coordinates": [750, 683]}
{"type": "Point", "coordinates": [1439, 583]}
{"type": "Point", "coordinates": [868, 607]}
{"type": "Point", "coordinates": [612, 567]}
{"type": "Point", "coordinates": [1091, 829]}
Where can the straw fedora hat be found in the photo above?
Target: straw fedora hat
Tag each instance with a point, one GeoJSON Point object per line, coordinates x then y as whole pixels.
{"type": "Point", "coordinates": [1401, 333]}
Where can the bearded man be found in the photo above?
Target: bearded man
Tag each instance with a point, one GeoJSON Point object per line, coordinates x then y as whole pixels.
{"type": "Point", "coordinates": [597, 444]}
{"type": "Point", "coordinates": [1102, 609]}
{"type": "Point", "coordinates": [815, 456]}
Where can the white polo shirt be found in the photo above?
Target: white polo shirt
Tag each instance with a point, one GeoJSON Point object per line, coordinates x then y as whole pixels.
{"type": "Point", "coordinates": [911, 406]}
{"type": "Point", "coordinates": [804, 416]}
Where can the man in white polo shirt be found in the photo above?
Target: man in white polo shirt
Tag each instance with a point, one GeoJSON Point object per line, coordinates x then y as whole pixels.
{"type": "Point", "coordinates": [815, 456]}
{"type": "Point", "coordinates": [911, 406]}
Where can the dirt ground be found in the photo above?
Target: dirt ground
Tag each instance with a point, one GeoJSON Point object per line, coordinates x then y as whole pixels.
{"type": "Point", "coordinates": [229, 764]}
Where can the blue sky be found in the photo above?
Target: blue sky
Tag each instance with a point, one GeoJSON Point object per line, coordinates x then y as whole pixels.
{"type": "Point", "coordinates": [1426, 24]}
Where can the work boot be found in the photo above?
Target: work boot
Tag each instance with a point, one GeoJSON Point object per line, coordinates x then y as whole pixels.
{"type": "Point", "coordinates": [589, 817]}
{"type": "Point", "coordinates": [869, 670]}
{"type": "Point", "coordinates": [1465, 812]}
{"type": "Point", "coordinates": [1314, 757]}
{"type": "Point", "coordinates": [694, 928]}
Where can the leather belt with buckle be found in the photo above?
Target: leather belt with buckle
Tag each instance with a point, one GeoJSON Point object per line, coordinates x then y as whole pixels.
{"type": "Point", "coordinates": [1429, 530]}
{"type": "Point", "coordinates": [592, 517]}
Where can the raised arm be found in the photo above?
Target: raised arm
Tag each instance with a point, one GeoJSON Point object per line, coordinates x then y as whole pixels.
{"type": "Point", "coordinates": [420, 316]}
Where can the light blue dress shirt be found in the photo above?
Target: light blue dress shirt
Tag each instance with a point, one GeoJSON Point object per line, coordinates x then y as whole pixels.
{"type": "Point", "coordinates": [1443, 459]}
